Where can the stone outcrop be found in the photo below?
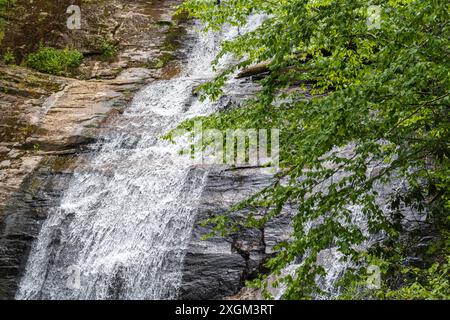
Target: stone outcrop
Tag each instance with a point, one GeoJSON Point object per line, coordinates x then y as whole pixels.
{"type": "Point", "coordinates": [142, 33]}
{"type": "Point", "coordinates": [24, 213]}
{"type": "Point", "coordinates": [218, 267]}
{"type": "Point", "coordinates": [42, 114]}
{"type": "Point", "coordinates": [43, 122]}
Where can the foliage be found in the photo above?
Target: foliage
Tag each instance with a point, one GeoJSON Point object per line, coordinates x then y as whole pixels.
{"type": "Point", "coordinates": [336, 82]}
{"type": "Point", "coordinates": [8, 57]}
{"type": "Point", "coordinates": [432, 284]}
{"type": "Point", "coordinates": [108, 49]}
{"type": "Point", "coordinates": [54, 61]}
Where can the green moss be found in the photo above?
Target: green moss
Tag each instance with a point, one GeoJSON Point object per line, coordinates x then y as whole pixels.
{"type": "Point", "coordinates": [34, 186]}
{"type": "Point", "coordinates": [13, 129]}
{"type": "Point", "coordinates": [181, 16]}
{"type": "Point", "coordinates": [161, 61]}
{"type": "Point", "coordinates": [173, 37]}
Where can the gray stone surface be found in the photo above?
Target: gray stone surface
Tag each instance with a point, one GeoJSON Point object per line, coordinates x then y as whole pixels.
{"type": "Point", "coordinates": [23, 216]}
{"type": "Point", "coordinates": [218, 267]}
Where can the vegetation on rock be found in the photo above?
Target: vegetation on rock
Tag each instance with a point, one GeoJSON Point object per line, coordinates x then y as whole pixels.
{"type": "Point", "coordinates": [108, 50]}
{"type": "Point", "coordinates": [54, 61]}
{"type": "Point", "coordinates": [8, 57]}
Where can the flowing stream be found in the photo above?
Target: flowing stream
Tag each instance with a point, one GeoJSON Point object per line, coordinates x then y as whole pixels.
{"type": "Point", "coordinates": [123, 224]}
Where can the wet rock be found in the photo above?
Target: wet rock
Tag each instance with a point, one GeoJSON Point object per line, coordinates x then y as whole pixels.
{"type": "Point", "coordinates": [277, 230]}
{"type": "Point", "coordinates": [211, 275]}
{"type": "Point", "coordinates": [218, 267]}
{"type": "Point", "coordinates": [21, 221]}
{"type": "Point", "coordinates": [48, 122]}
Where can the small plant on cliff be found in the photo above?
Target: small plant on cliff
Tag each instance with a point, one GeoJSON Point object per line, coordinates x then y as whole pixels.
{"type": "Point", "coordinates": [8, 57]}
{"type": "Point", "coordinates": [108, 50]}
{"type": "Point", "coordinates": [54, 61]}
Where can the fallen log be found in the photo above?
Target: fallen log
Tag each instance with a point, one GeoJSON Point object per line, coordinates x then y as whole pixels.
{"type": "Point", "coordinates": [262, 69]}
{"type": "Point", "coordinates": [254, 70]}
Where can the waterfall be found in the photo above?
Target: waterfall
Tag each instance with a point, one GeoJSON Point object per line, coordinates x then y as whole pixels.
{"type": "Point", "coordinates": [121, 229]}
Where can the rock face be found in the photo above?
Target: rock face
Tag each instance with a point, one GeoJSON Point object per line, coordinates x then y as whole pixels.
{"type": "Point", "coordinates": [35, 125]}
{"type": "Point", "coordinates": [42, 114]}
{"type": "Point", "coordinates": [142, 33]}
{"type": "Point", "coordinates": [47, 121]}
{"type": "Point", "coordinates": [21, 103]}
{"type": "Point", "coordinates": [218, 267]}
{"type": "Point", "coordinates": [24, 214]}
{"type": "Point", "coordinates": [56, 127]}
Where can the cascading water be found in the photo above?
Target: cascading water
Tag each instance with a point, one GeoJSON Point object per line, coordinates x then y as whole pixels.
{"type": "Point", "coordinates": [123, 223]}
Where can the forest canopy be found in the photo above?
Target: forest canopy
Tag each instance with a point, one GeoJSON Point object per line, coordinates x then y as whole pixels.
{"type": "Point", "coordinates": [340, 80]}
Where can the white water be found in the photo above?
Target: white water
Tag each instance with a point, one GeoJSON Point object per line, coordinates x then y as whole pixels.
{"type": "Point", "coordinates": [123, 224]}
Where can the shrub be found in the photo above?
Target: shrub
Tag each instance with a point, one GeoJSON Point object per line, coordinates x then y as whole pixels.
{"type": "Point", "coordinates": [108, 49]}
{"type": "Point", "coordinates": [54, 61]}
{"type": "Point", "coordinates": [8, 57]}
